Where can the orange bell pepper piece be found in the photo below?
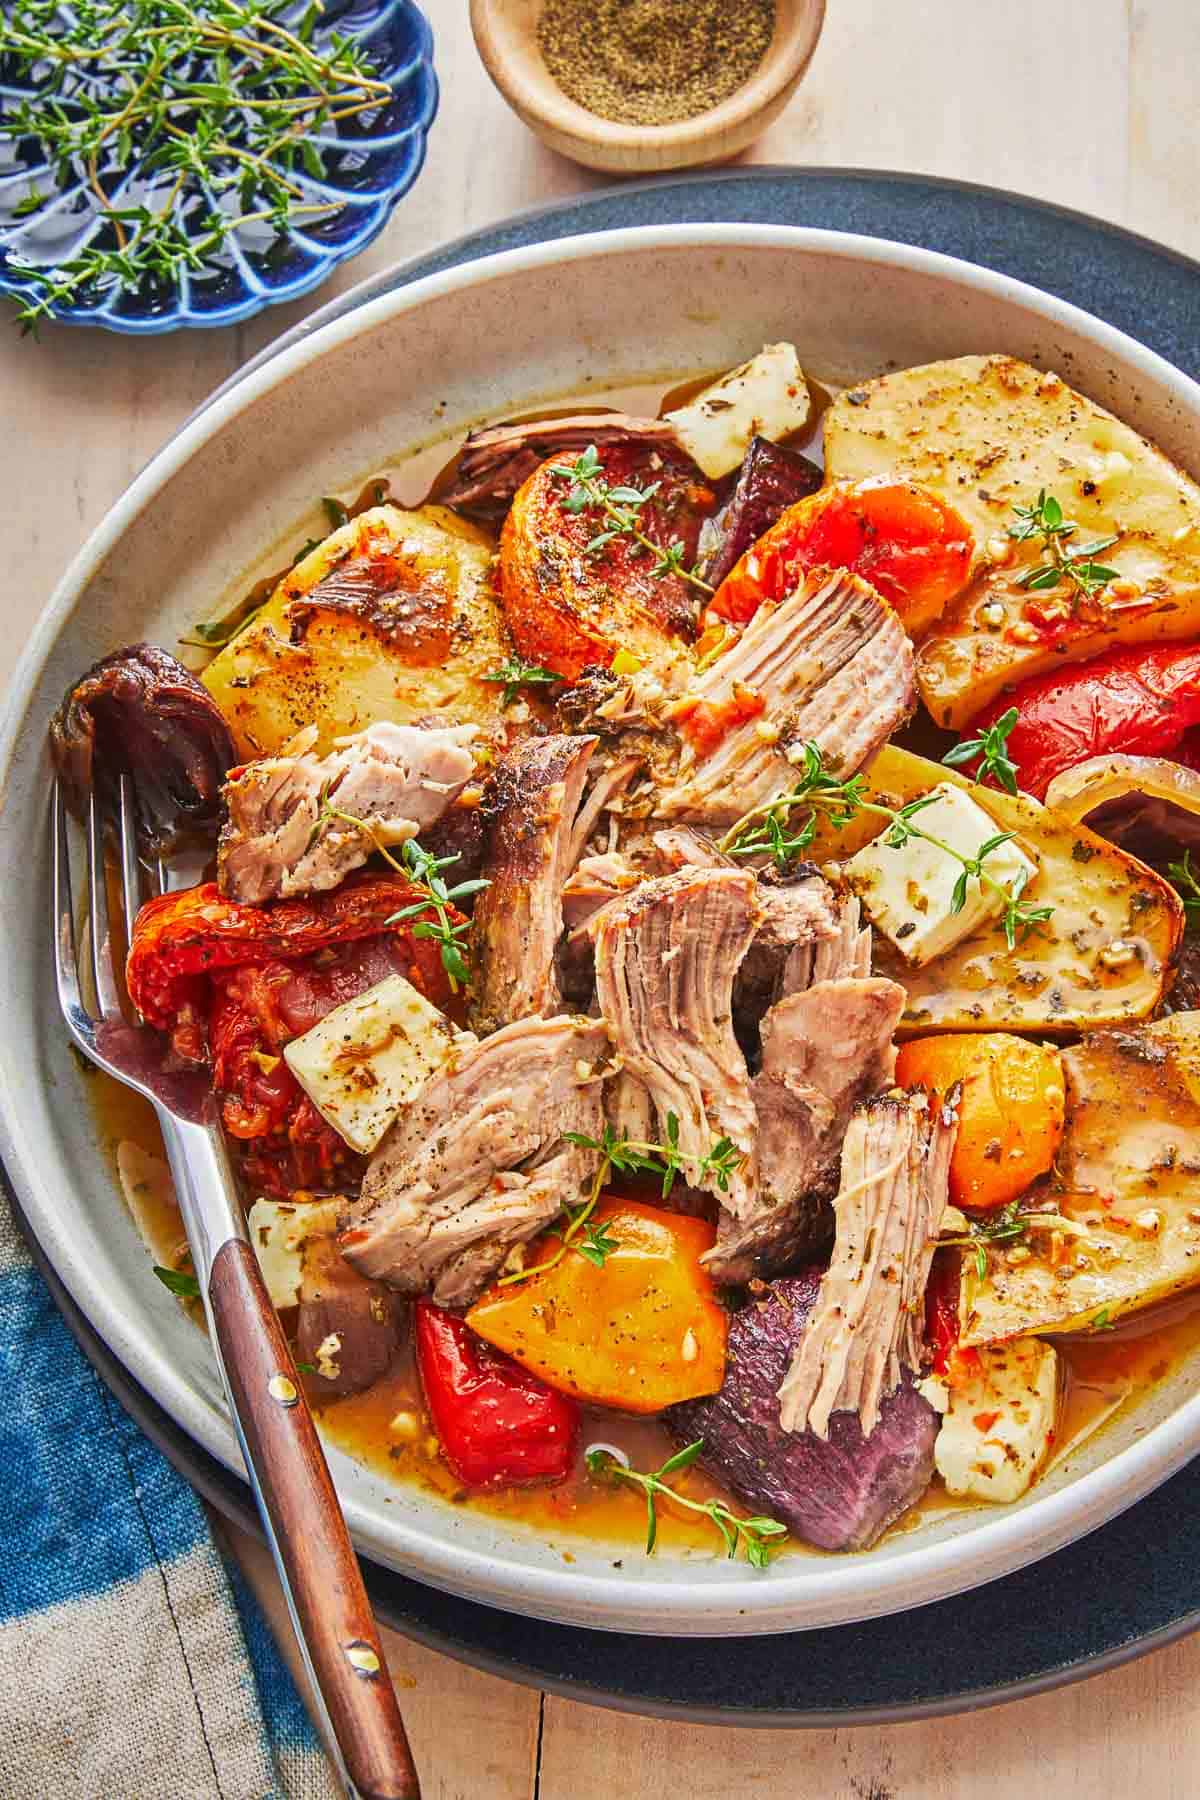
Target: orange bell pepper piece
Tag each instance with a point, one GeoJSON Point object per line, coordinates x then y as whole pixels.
{"type": "Point", "coordinates": [1010, 1115]}
{"type": "Point", "coordinates": [640, 1332]}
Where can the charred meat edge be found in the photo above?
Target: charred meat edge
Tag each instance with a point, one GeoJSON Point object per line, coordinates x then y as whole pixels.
{"type": "Point", "coordinates": [824, 1051]}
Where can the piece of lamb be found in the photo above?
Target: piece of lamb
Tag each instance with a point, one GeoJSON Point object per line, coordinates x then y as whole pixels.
{"type": "Point", "coordinates": [666, 957]}
{"type": "Point", "coordinates": [479, 1161]}
{"type": "Point", "coordinates": [534, 805]}
{"type": "Point", "coordinates": [280, 838]}
{"type": "Point", "coordinates": [831, 665]}
{"type": "Point", "coordinates": [824, 1050]}
{"type": "Point", "coordinates": [840, 1492]}
{"type": "Point", "coordinates": [798, 915]}
{"type": "Point", "coordinates": [867, 1327]}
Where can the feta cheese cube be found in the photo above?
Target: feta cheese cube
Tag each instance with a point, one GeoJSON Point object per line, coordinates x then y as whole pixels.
{"type": "Point", "coordinates": [908, 893]}
{"type": "Point", "coordinates": [767, 397]}
{"type": "Point", "coordinates": [1001, 1420]}
{"type": "Point", "coordinates": [278, 1233]}
{"type": "Point", "coordinates": [369, 1057]}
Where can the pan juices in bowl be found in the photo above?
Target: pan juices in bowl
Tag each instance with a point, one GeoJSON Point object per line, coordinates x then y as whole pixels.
{"type": "Point", "coordinates": [456, 1541]}
{"type": "Point", "coordinates": [719, 480]}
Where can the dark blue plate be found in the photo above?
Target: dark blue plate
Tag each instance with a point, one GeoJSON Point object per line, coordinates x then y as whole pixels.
{"type": "Point", "coordinates": [367, 163]}
{"type": "Point", "coordinates": [1133, 1585]}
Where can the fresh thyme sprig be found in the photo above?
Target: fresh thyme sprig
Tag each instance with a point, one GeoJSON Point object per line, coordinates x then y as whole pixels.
{"type": "Point", "coordinates": [1187, 881]}
{"type": "Point", "coordinates": [991, 747]}
{"type": "Point", "coordinates": [1045, 519]}
{"type": "Point", "coordinates": [621, 507]}
{"type": "Point", "coordinates": [516, 673]}
{"type": "Point", "coordinates": [424, 870]}
{"type": "Point", "coordinates": [765, 830]}
{"type": "Point", "coordinates": [422, 867]}
{"type": "Point", "coordinates": [219, 102]}
{"type": "Point", "coordinates": [754, 1534]}
{"type": "Point", "coordinates": [628, 1157]}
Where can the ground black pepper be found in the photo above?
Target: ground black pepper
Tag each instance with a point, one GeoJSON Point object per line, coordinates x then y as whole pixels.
{"type": "Point", "coordinates": [653, 62]}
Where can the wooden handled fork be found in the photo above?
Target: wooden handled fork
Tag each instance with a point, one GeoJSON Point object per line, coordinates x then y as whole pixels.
{"type": "Point", "coordinates": [337, 1634]}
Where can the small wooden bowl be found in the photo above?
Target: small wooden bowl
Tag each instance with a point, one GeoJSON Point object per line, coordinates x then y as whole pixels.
{"type": "Point", "coordinates": [506, 36]}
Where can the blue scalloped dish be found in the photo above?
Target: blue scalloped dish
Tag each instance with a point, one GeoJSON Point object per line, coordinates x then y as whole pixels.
{"type": "Point", "coordinates": [370, 162]}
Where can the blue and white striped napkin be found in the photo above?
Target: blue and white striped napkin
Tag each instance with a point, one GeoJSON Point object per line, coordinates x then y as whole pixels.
{"type": "Point", "coordinates": [133, 1663]}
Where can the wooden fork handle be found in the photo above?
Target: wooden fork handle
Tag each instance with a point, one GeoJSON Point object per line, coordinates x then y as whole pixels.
{"type": "Point", "coordinates": [312, 1546]}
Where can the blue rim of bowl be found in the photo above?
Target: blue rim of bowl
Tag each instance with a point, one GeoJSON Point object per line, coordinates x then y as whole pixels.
{"type": "Point", "coordinates": [416, 72]}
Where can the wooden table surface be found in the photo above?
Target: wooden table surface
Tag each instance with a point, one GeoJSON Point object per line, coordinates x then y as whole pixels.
{"type": "Point", "coordinates": [1087, 102]}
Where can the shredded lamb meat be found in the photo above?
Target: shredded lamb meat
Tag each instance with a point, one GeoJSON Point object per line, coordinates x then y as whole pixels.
{"type": "Point", "coordinates": [398, 778]}
{"type": "Point", "coordinates": [478, 1162]}
{"type": "Point", "coordinates": [867, 1327]}
{"type": "Point", "coordinates": [666, 957]}
{"type": "Point", "coordinates": [800, 917]}
{"type": "Point", "coordinates": [532, 845]}
{"type": "Point", "coordinates": [824, 1050]}
{"type": "Point", "coordinates": [830, 665]}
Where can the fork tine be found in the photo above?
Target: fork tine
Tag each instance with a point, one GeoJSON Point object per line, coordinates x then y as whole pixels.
{"type": "Point", "coordinates": [107, 996]}
{"type": "Point", "coordinates": [66, 963]}
{"type": "Point", "coordinates": [131, 874]}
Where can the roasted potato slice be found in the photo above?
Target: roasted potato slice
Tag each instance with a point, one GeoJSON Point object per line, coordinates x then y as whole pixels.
{"type": "Point", "coordinates": [1129, 1171]}
{"type": "Point", "coordinates": [989, 433]}
{"type": "Point", "coordinates": [1104, 958]}
{"type": "Point", "coordinates": [573, 596]}
{"type": "Point", "coordinates": [392, 617]}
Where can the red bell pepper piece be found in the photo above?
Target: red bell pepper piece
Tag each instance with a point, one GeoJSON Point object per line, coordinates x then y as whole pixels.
{"type": "Point", "coordinates": [496, 1422]}
{"type": "Point", "coordinates": [1139, 701]}
{"type": "Point", "coordinates": [941, 1311]}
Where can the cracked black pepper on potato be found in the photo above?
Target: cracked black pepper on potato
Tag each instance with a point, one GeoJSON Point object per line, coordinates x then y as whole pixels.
{"type": "Point", "coordinates": [653, 62]}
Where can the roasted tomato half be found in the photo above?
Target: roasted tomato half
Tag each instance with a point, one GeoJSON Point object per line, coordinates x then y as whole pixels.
{"type": "Point", "coordinates": [910, 545]}
{"type": "Point", "coordinates": [179, 940]}
{"type": "Point", "coordinates": [574, 590]}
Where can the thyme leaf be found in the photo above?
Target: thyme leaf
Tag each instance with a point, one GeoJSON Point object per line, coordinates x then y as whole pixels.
{"type": "Point", "coordinates": [628, 1157]}
{"type": "Point", "coordinates": [1187, 881]}
{"type": "Point", "coordinates": [516, 673]}
{"type": "Point", "coordinates": [619, 506]}
{"type": "Point", "coordinates": [1045, 520]}
{"type": "Point", "coordinates": [991, 747]}
{"type": "Point", "coordinates": [178, 1282]}
{"type": "Point", "coordinates": [424, 870]}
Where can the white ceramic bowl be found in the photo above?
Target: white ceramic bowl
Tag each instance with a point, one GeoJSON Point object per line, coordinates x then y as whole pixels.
{"type": "Point", "coordinates": [493, 337]}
